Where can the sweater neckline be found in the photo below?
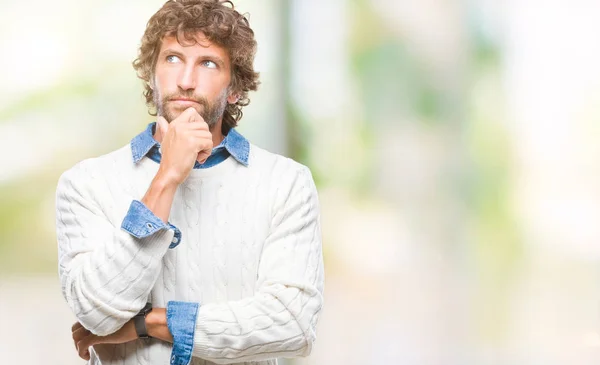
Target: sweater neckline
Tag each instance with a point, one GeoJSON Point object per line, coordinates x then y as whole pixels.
{"type": "Point", "coordinates": [223, 168]}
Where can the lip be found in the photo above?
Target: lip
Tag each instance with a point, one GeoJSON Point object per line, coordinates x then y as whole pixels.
{"type": "Point", "coordinates": [184, 101]}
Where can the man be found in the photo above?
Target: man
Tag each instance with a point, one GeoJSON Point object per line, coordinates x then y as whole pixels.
{"type": "Point", "coordinates": [190, 244]}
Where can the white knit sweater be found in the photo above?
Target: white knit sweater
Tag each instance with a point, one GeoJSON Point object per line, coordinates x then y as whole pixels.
{"type": "Point", "coordinates": [250, 254]}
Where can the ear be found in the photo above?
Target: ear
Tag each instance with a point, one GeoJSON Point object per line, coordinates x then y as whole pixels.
{"type": "Point", "coordinates": [233, 98]}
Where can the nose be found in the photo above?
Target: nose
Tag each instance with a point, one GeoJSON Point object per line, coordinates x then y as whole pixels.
{"type": "Point", "coordinates": [187, 80]}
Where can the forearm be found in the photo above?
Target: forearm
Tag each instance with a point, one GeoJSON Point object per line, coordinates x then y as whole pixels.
{"type": "Point", "coordinates": [160, 195]}
{"type": "Point", "coordinates": [156, 324]}
{"type": "Point", "coordinates": [279, 321]}
{"type": "Point", "coordinates": [233, 332]}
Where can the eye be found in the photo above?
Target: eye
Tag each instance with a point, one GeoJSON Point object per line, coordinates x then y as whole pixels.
{"type": "Point", "coordinates": [209, 64]}
{"type": "Point", "coordinates": [172, 59]}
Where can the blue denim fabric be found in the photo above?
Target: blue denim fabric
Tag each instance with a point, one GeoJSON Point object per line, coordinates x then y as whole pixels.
{"type": "Point", "coordinates": [140, 222]}
{"type": "Point", "coordinates": [234, 144]}
{"type": "Point", "coordinates": [181, 320]}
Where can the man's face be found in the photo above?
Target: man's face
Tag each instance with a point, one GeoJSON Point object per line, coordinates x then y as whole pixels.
{"type": "Point", "coordinates": [195, 76]}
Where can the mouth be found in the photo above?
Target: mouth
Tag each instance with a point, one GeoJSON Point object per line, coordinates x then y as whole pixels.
{"type": "Point", "coordinates": [184, 100]}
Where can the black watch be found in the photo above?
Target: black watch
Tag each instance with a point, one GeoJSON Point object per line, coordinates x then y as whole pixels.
{"type": "Point", "coordinates": [140, 321]}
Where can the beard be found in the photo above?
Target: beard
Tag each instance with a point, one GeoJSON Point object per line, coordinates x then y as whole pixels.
{"type": "Point", "coordinates": [210, 112]}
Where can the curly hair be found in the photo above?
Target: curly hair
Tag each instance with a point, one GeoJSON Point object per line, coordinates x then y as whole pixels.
{"type": "Point", "coordinates": [222, 25]}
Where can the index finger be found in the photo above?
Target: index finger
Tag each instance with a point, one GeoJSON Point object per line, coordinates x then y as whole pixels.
{"type": "Point", "coordinates": [75, 326]}
{"type": "Point", "coordinates": [192, 115]}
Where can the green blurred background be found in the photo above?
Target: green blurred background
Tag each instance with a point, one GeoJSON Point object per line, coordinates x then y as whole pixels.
{"type": "Point", "coordinates": [455, 145]}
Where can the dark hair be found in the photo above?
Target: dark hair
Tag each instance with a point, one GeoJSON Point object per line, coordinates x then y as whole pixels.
{"type": "Point", "coordinates": [222, 25]}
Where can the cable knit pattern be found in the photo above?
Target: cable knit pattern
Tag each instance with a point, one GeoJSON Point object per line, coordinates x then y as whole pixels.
{"type": "Point", "coordinates": [250, 255]}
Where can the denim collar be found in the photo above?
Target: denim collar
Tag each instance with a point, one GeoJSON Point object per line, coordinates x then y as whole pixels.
{"type": "Point", "coordinates": [236, 144]}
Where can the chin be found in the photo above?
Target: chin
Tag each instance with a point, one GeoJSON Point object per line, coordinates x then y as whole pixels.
{"type": "Point", "coordinates": [175, 111]}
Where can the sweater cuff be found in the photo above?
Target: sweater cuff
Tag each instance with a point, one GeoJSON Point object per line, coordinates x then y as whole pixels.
{"type": "Point", "coordinates": [141, 222]}
{"type": "Point", "coordinates": [181, 321]}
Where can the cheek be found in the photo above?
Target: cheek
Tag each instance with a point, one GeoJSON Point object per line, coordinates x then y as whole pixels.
{"type": "Point", "coordinates": [214, 86]}
{"type": "Point", "coordinates": [163, 77]}
{"type": "Point", "coordinates": [211, 79]}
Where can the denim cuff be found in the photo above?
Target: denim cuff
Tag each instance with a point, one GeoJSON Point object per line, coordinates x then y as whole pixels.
{"type": "Point", "coordinates": [181, 321]}
{"type": "Point", "coordinates": [140, 222]}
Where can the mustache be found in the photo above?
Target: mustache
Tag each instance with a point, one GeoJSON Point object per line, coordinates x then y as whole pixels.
{"type": "Point", "coordinates": [187, 95]}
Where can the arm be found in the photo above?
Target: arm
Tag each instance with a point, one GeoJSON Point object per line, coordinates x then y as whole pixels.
{"type": "Point", "coordinates": [106, 273]}
{"type": "Point", "coordinates": [280, 319]}
{"type": "Point", "coordinates": [156, 323]}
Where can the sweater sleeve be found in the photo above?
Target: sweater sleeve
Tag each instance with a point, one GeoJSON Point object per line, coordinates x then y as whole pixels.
{"type": "Point", "coordinates": [280, 319]}
{"type": "Point", "coordinates": [106, 274]}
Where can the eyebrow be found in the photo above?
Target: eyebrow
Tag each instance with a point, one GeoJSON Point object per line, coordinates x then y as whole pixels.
{"type": "Point", "coordinates": [170, 51]}
{"type": "Point", "coordinates": [216, 59]}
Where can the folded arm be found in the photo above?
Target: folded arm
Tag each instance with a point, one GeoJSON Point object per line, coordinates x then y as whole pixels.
{"type": "Point", "coordinates": [106, 272]}
{"type": "Point", "coordinates": [280, 319]}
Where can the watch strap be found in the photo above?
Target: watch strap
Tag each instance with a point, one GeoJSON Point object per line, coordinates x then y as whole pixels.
{"type": "Point", "coordinates": [139, 320]}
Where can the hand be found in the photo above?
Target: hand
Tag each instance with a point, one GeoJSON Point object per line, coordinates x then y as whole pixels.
{"type": "Point", "coordinates": [185, 140]}
{"type": "Point", "coordinates": [83, 338]}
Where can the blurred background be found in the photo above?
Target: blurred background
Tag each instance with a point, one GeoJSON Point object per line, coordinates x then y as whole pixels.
{"type": "Point", "coordinates": [455, 146]}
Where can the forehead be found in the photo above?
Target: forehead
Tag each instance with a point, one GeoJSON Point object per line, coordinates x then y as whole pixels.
{"type": "Point", "coordinates": [198, 46]}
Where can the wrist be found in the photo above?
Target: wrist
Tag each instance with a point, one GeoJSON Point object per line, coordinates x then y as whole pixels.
{"type": "Point", "coordinates": [165, 181]}
{"type": "Point", "coordinates": [140, 321]}
{"type": "Point", "coordinates": [156, 323]}
{"type": "Point", "coordinates": [159, 197]}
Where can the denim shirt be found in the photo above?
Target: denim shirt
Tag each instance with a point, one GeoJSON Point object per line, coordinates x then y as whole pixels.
{"type": "Point", "coordinates": [141, 222]}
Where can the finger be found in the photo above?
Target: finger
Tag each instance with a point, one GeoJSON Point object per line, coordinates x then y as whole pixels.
{"type": "Point", "coordinates": [84, 345]}
{"type": "Point", "coordinates": [192, 115]}
{"type": "Point", "coordinates": [86, 354]}
{"type": "Point", "coordinates": [203, 145]}
{"type": "Point", "coordinates": [199, 125]}
{"type": "Point", "coordinates": [82, 349]}
{"type": "Point", "coordinates": [204, 150]}
{"type": "Point", "coordinates": [163, 125]}
{"type": "Point", "coordinates": [198, 139]}
{"type": "Point", "coordinates": [80, 333]}
{"type": "Point", "coordinates": [75, 326]}
{"type": "Point", "coordinates": [202, 157]}
{"type": "Point", "coordinates": [200, 134]}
